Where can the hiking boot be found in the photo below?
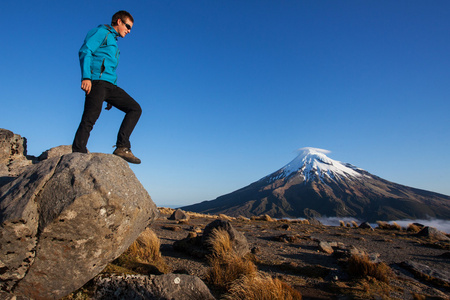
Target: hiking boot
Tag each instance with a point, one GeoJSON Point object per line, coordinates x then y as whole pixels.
{"type": "Point", "coordinates": [126, 154]}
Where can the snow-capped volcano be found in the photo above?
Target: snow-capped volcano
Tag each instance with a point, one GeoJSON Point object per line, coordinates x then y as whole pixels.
{"type": "Point", "coordinates": [314, 185]}
{"type": "Point", "coordinates": [313, 162]}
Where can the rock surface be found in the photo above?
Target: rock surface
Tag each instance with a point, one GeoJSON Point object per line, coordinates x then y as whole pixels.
{"type": "Point", "coordinates": [13, 153]}
{"type": "Point", "coordinates": [169, 286]}
{"type": "Point", "coordinates": [433, 233]}
{"type": "Point", "coordinates": [179, 215]}
{"type": "Point", "coordinates": [64, 219]}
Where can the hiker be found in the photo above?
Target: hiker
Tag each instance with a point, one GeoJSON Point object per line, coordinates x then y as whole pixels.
{"type": "Point", "coordinates": [99, 57]}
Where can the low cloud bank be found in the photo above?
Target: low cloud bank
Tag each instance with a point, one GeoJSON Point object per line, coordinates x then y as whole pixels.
{"type": "Point", "coordinates": [442, 225]}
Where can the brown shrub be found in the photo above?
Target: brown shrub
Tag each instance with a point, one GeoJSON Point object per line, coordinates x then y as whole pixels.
{"type": "Point", "coordinates": [361, 266]}
{"type": "Point", "coordinates": [261, 287]}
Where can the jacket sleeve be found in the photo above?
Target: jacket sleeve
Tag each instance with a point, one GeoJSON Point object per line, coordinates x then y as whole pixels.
{"type": "Point", "coordinates": [92, 42]}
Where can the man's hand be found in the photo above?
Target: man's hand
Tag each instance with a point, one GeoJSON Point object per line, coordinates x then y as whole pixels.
{"type": "Point", "coordinates": [86, 86]}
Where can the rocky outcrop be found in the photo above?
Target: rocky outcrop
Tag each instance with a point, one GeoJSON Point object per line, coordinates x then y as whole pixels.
{"type": "Point", "coordinates": [64, 218]}
{"type": "Point", "coordinates": [440, 277]}
{"type": "Point", "coordinates": [433, 233]}
{"type": "Point", "coordinates": [169, 286]}
{"type": "Point", "coordinates": [13, 154]}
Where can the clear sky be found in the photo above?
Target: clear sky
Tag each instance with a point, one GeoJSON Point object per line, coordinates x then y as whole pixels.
{"type": "Point", "coordinates": [230, 89]}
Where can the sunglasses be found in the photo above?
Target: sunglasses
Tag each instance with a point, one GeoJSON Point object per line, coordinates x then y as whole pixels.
{"type": "Point", "coordinates": [127, 25]}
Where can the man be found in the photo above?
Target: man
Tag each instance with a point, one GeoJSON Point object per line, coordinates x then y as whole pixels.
{"type": "Point", "coordinates": [99, 57]}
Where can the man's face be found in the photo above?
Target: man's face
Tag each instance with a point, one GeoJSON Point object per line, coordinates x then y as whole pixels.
{"type": "Point", "coordinates": [124, 27]}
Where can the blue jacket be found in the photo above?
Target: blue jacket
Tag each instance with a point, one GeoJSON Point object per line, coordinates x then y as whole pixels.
{"type": "Point", "coordinates": [99, 55]}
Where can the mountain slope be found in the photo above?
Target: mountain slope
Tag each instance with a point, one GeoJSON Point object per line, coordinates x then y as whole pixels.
{"type": "Point", "coordinates": [314, 185]}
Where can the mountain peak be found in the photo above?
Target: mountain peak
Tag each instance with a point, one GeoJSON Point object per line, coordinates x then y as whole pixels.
{"type": "Point", "coordinates": [313, 162]}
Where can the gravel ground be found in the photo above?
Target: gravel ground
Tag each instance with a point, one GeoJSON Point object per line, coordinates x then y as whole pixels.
{"type": "Point", "coordinates": [297, 259]}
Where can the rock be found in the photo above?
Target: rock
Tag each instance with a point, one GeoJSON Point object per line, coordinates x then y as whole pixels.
{"type": "Point", "coordinates": [13, 153]}
{"type": "Point", "coordinates": [179, 215]}
{"type": "Point", "coordinates": [422, 270]}
{"type": "Point", "coordinates": [256, 250]}
{"type": "Point", "coordinates": [325, 247]}
{"type": "Point", "coordinates": [433, 233]}
{"type": "Point", "coordinates": [64, 219]}
{"type": "Point", "coordinates": [238, 240]}
{"type": "Point", "coordinates": [366, 225]}
{"type": "Point", "coordinates": [419, 225]}
{"type": "Point", "coordinates": [286, 227]}
{"type": "Point", "coordinates": [314, 222]}
{"type": "Point", "coordinates": [55, 152]}
{"type": "Point", "coordinates": [288, 238]}
{"type": "Point", "coordinates": [169, 286]}
{"type": "Point", "coordinates": [9, 296]}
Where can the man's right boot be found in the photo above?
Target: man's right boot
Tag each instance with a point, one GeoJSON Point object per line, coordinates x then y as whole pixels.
{"type": "Point", "coordinates": [126, 154]}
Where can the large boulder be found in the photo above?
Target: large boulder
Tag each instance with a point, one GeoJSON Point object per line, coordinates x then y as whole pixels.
{"type": "Point", "coordinates": [164, 287]}
{"type": "Point", "coordinates": [64, 219]}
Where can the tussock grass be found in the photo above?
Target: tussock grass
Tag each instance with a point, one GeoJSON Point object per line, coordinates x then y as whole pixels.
{"type": "Point", "coordinates": [143, 256]}
{"type": "Point", "coordinates": [413, 228]}
{"type": "Point", "coordinates": [146, 247]}
{"type": "Point", "coordinates": [222, 272]}
{"type": "Point", "coordinates": [261, 287]}
{"type": "Point", "coordinates": [225, 265]}
{"type": "Point", "coordinates": [266, 218]}
{"type": "Point", "coordinates": [341, 223]}
{"type": "Point", "coordinates": [361, 266]}
{"type": "Point", "coordinates": [386, 226]}
{"type": "Point", "coordinates": [220, 243]}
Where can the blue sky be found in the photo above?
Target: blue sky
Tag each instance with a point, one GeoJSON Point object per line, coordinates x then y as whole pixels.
{"type": "Point", "coordinates": [230, 89]}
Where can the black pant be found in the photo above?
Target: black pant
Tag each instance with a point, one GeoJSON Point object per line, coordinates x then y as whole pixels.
{"type": "Point", "coordinates": [117, 97]}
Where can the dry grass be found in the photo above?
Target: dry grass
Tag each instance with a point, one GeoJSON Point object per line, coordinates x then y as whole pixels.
{"type": "Point", "coordinates": [386, 226]}
{"type": "Point", "coordinates": [146, 247]}
{"type": "Point", "coordinates": [354, 224]}
{"type": "Point", "coordinates": [261, 287]}
{"type": "Point", "coordinates": [361, 266]}
{"type": "Point", "coordinates": [225, 265]}
{"type": "Point", "coordinates": [222, 272]}
{"type": "Point", "coordinates": [143, 256]}
{"type": "Point", "coordinates": [413, 228]}
{"type": "Point", "coordinates": [341, 223]}
{"type": "Point", "coordinates": [220, 243]}
{"type": "Point", "coordinates": [266, 218]}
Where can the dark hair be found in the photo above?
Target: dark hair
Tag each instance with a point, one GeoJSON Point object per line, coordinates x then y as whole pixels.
{"type": "Point", "coordinates": [121, 15]}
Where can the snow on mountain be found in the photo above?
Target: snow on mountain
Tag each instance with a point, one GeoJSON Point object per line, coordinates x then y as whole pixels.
{"type": "Point", "coordinates": [314, 185]}
{"type": "Point", "coordinates": [312, 162]}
